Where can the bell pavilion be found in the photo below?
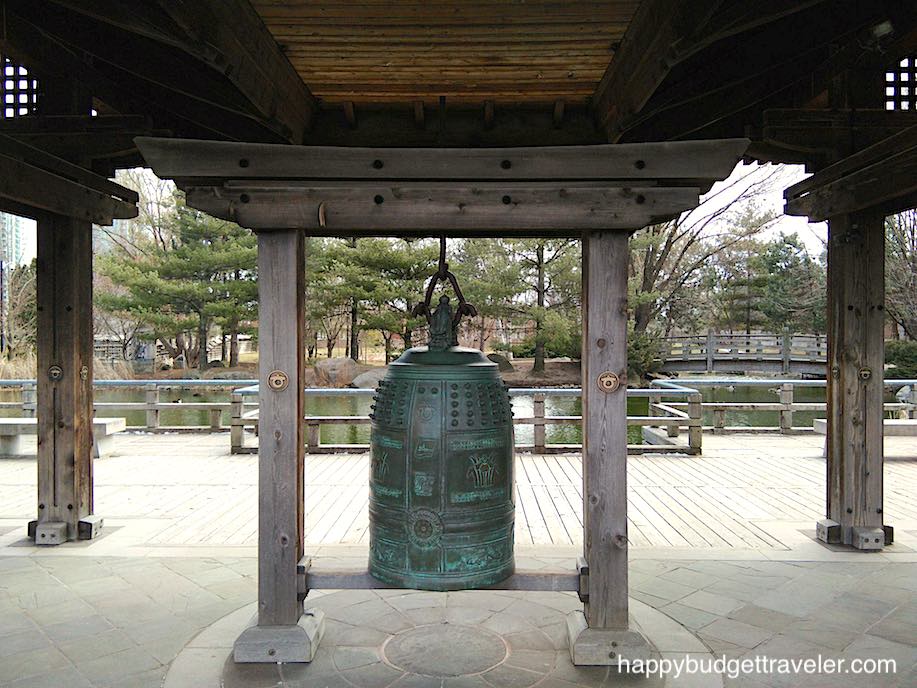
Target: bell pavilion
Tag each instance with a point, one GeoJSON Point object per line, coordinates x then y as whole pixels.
{"type": "Point", "coordinates": [585, 120]}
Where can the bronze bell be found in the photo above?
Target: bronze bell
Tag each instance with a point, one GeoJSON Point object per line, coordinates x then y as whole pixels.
{"type": "Point", "coordinates": [441, 508]}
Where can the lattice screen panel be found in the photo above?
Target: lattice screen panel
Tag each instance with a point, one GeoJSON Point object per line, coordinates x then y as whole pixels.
{"type": "Point", "coordinates": [19, 90]}
{"type": "Point", "coordinates": [900, 83]}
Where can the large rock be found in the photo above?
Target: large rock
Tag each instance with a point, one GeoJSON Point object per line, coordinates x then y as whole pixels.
{"type": "Point", "coordinates": [335, 372]}
{"type": "Point", "coordinates": [370, 379]}
{"type": "Point", "coordinates": [502, 362]}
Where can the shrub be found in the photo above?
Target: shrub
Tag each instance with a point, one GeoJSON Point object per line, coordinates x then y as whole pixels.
{"type": "Point", "coordinates": [903, 356]}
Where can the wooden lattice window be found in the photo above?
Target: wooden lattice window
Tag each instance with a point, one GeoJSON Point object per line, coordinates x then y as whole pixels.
{"type": "Point", "coordinates": [19, 90]}
{"type": "Point", "coordinates": [900, 83]}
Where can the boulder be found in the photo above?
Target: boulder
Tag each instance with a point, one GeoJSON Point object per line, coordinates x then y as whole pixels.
{"type": "Point", "coordinates": [502, 362]}
{"type": "Point", "coordinates": [335, 372]}
{"type": "Point", "coordinates": [370, 379]}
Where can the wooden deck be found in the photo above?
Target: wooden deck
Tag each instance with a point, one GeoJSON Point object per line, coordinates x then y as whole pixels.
{"type": "Point", "coordinates": [746, 492]}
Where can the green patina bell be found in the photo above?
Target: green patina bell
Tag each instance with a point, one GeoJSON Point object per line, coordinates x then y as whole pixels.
{"type": "Point", "coordinates": [441, 505]}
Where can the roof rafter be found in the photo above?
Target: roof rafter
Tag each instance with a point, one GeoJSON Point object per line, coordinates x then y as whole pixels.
{"type": "Point", "coordinates": [227, 36]}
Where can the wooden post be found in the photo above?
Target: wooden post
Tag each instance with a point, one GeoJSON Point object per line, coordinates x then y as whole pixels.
{"type": "Point", "coordinates": [696, 416]}
{"type": "Point", "coordinates": [786, 346]}
{"type": "Point", "coordinates": [29, 400]}
{"type": "Point", "coordinates": [539, 427]}
{"type": "Point", "coordinates": [719, 420]}
{"type": "Point", "coordinates": [313, 437]}
{"type": "Point", "coordinates": [152, 413]}
{"type": "Point", "coordinates": [601, 635]}
{"type": "Point", "coordinates": [236, 428]}
{"type": "Point", "coordinates": [786, 413]}
{"type": "Point", "coordinates": [64, 304]}
{"type": "Point", "coordinates": [283, 633]}
{"type": "Point", "coordinates": [711, 349]}
{"type": "Point", "coordinates": [856, 321]}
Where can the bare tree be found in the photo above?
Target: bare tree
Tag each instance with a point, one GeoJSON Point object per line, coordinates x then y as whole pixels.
{"type": "Point", "coordinates": [667, 258]}
{"type": "Point", "coordinates": [901, 270]}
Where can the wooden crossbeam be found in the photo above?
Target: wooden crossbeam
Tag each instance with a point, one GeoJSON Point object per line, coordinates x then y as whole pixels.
{"type": "Point", "coordinates": [422, 208]}
{"type": "Point", "coordinates": [677, 163]}
{"type": "Point", "coordinates": [832, 130]}
{"type": "Point", "coordinates": [883, 175]}
{"type": "Point", "coordinates": [56, 186]}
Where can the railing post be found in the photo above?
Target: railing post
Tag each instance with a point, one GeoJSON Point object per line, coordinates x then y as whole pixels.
{"type": "Point", "coordinates": [696, 429]}
{"type": "Point", "coordinates": [152, 412]}
{"type": "Point", "coordinates": [538, 412]}
{"type": "Point", "coordinates": [313, 436]}
{"type": "Point", "coordinates": [236, 428]}
{"type": "Point", "coordinates": [786, 413]}
{"type": "Point", "coordinates": [719, 420]}
{"type": "Point", "coordinates": [29, 399]}
{"type": "Point", "coordinates": [216, 419]}
{"type": "Point", "coordinates": [711, 349]}
{"type": "Point", "coordinates": [785, 350]}
{"type": "Point", "coordinates": [912, 412]}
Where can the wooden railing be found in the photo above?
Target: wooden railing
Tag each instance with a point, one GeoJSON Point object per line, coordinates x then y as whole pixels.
{"type": "Point", "coordinates": [662, 414]}
{"type": "Point", "coordinates": [726, 352]}
{"type": "Point", "coordinates": [151, 405]}
{"type": "Point", "coordinates": [784, 405]}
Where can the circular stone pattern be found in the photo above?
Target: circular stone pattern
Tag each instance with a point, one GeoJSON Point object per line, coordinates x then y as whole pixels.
{"type": "Point", "coordinates": [431, 650]}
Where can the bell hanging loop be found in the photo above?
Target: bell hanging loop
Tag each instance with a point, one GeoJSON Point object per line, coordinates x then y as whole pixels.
{"type": "Point", "coordinates": [442, 320]}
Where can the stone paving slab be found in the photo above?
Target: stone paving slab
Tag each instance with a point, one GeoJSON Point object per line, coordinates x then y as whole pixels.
{"type": "Point", "coordinates": [57, 631]}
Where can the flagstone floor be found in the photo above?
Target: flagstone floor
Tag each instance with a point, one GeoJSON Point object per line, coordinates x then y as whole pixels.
{"type": "Point", "coordinates": [722, 544]}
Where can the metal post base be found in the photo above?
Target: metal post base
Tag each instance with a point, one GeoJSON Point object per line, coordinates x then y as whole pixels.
{"type": "Point", "coordinates": [273, 644]}
{"type": "Point", "coordinates": [603, 646]}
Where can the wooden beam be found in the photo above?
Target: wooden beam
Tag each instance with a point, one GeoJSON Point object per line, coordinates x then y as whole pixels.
{"type": "Point", "coordinates": [856, 324]}
{"type": "Point", "coordinates": [827, 131]}
{"type": "Point", "coordinates": [358, 208]}
{"type": "Point", "coordinates": [360, 579]}
{"type": "Point", "coordinates": [33, 186]}
{"type": "Point", "coordinates": [883, 175]}
{"type": "Point", "coordinates": [19, 150]}
{"type": "Point", "coordinates": [605, 260]}
{"type": "Point", "coordinates": [644, 59]}
{"type": "Point", "coordinates": [687, 161]}
{"type": "Point", "coordinates": [230, 37]}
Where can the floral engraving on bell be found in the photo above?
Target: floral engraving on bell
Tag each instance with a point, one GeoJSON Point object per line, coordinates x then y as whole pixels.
{"type": "Point", "coordinates": [380, 466]}
{"type": "Point", "coordinates": [482, 470]}
{"type": "Point", "coordinates": [425, 528]}
{"type": "Point", "coordinates": [426, 412]}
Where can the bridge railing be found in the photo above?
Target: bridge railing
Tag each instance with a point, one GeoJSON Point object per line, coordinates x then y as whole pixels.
{"type": "Point", "coordinates": [784, 405]}
{"type": "Point", "coordinates": [782, 351]}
